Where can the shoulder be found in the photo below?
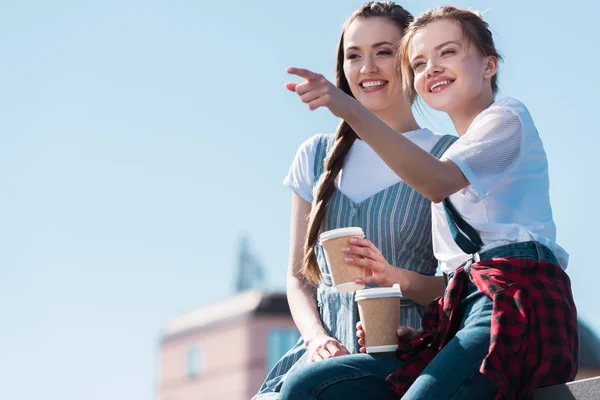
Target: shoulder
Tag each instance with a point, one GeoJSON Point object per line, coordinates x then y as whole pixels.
{"type": "Point", "coordinates": [512, 104]}
{"type": "Point", "coordinates": [427, 134]}
{"type": "Point", "coordinates": [432, 142]}
{"type": "Point", "coordinates": [506, 115]}
{"type": "Point", "coordinates": [518, 110]}
{"type": "Point", "coordinates": [424, 138]}
{"type": "Point", "coordinates": [310, 150]}
{"type": "Point", "coordinates": [441, 138]}
{"type": "Point", "coordinates": [310, 145]}
{"type": "Point", "coordinates": [508, 108]}
{"type": "Point", "coordinates": [301, 175]}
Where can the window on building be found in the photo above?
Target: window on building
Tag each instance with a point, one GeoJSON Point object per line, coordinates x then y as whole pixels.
{"type": "Point", "coordinates": [279, 341]}
{"type": "Point", "coordinates": [194, 362]}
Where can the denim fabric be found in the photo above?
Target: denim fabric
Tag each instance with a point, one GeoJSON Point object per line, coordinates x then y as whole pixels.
{"type": "Point", "coordinates": [531, 250]}
{"type": "Point", "coordinates": [356, 376]}
{"type": "Point", "coordinates": [453, 373]}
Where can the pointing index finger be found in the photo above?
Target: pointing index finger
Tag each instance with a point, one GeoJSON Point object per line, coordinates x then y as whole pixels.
{"type": "Point", "coordinates": [303, 73]}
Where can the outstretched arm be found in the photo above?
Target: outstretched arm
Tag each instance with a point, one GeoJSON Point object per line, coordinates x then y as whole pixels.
{"type": "Point", "coordinates": [435, 179]}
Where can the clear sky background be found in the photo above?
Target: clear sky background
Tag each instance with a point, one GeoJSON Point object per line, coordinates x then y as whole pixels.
{"type": "Point", "coordinates": [140, 139]}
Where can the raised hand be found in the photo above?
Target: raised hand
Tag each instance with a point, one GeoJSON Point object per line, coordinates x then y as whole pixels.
{"type": "Point", "coordinates": [317, 92]}
{"type": "Point", "coordinates": [364, 253]}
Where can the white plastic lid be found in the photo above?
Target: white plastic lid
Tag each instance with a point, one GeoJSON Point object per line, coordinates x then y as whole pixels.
{"type": "Point", "coordinates": [382, 349]}
{"type": "Point", "coordinates": [376, 293]}
{"type": "Point", "coordinates": [336, 233]}
{"type": "Point", "coordinates": [348, 287]}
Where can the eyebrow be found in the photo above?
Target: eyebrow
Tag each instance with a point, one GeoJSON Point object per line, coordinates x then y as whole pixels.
{"type": "Point", "coordinates": [439, 46]}
{"type": "Point", "coordinates": [378, 44]}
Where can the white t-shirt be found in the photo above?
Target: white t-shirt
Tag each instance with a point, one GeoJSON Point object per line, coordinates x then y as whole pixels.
{"type": "Point", "coordinates": [507, 201]}
{"type": "Point", "coordinates": [363, 174]}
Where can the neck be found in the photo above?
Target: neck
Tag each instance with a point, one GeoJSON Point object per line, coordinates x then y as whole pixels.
{"type": "Point", "coordinates": [399, 118]}
{"type": "Point", "coordinates": [463, 117]}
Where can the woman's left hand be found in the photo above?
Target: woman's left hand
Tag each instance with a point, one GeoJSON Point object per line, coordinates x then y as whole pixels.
{"type": "Point", "coordinates": [362, 252]}
{"type": "Point", "coordinates": [317, 92]}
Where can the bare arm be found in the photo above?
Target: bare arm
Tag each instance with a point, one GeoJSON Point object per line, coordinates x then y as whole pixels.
{"type": "Point", "coordinates": [301, 294]}
{"type": "Point", "coordinates": [433, 178]}
{"type": "Point", "coordinates": [422, 289]}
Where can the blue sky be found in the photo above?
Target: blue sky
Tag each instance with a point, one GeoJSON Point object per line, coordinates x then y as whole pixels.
{"type": "Point", "coordinates": [140, 139]}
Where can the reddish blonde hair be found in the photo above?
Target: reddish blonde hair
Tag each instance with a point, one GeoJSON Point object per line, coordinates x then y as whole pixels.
{"type": "Point", "coordinates": [474, 28]}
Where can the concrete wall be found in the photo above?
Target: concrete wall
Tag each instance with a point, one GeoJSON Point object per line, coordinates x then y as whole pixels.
{"type": "Point", "coordinates": [587, 389]}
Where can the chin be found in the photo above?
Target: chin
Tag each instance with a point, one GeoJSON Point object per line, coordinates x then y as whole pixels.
{"type": "Point", "coordinates": [437, 103]}
{"type": "Point", "coordinates": [439, 107]}
{"type": "Point", "coordinates": [378, 104]}
{"type": "Point", "coordinates": [375, 106]}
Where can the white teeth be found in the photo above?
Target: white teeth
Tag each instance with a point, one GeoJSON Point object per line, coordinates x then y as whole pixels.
{"type": "Point", "coordinates": [439, 84]}
{"type": "Point", "coordinates": [370, 84]}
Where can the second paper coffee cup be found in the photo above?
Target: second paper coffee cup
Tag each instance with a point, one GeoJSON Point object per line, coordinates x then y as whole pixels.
{"type": "Point", "coordinates": [379, 311]}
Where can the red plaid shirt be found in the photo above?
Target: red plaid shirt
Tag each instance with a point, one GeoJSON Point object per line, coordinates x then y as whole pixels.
{"type": "Point", "coordinates": [534, 339]}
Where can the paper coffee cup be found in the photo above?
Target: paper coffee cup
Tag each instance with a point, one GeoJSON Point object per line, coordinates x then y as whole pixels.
{"type": "Point", "coordinates": [379, 311]}
{"type": "Point", "coordinates": [342, 274]}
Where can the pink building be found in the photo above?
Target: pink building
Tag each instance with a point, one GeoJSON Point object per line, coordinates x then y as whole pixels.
{"type": "Point", "coordinates": [224, 351]}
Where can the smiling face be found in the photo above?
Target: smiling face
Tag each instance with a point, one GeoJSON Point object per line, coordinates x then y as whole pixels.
{"type": "Point", "coordinates": [370, 67]}
{"type": "Point", "coordinates": [450, 72]}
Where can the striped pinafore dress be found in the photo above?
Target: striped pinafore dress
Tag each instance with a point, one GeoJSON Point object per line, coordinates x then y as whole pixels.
{"type": "Point", "coordinates": [398, 222]}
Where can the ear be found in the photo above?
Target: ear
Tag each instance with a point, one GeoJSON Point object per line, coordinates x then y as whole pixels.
{"type": "Point", "coordinates": [490, 67]}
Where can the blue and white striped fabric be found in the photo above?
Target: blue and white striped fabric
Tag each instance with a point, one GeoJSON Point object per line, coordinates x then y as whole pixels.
{"type": "Point", "coordinates": [398, 221]}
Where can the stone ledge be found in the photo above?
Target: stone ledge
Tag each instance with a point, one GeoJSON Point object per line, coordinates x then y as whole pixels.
{"type": "Point", "coordinates": [585, 389]}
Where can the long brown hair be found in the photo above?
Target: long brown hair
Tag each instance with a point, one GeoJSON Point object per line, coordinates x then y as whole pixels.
{"type": "Point", "coordinates": [474, 28]}
{"type": "Point", "coordinates": [344, 137]}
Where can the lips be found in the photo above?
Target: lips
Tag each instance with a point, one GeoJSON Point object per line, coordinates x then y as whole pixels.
{"type": "Point", "coordinates": [372, 84]}
{"type": "Point", "coordinates": [439, 84]}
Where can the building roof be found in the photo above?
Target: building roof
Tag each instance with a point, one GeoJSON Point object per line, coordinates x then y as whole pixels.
{"type": "Point", "coordinates": [252, 302]}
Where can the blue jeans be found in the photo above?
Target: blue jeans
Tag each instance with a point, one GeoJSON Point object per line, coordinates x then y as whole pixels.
{"type": "Point", "coordinates": [452, 374]}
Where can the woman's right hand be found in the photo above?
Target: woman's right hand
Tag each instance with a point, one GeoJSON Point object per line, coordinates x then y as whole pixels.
{"type": "Point", "coordinates": [317, 92]}
{"type": "Point", "coordinates": [321, 347]}
{"type": "Point", "coordinates": [405, 335]}
{"type": "Point", "coordinates": [363, 253]}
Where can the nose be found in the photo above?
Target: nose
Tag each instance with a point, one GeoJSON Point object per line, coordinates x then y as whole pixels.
{"type": "Point", "coordinates": [433, 69]}
{"type": "Point", "coordinates": [369, 66]}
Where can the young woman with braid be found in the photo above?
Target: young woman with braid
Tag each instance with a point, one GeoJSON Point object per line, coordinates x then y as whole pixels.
{"type": "Point", "coordinates": [339, 181]}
